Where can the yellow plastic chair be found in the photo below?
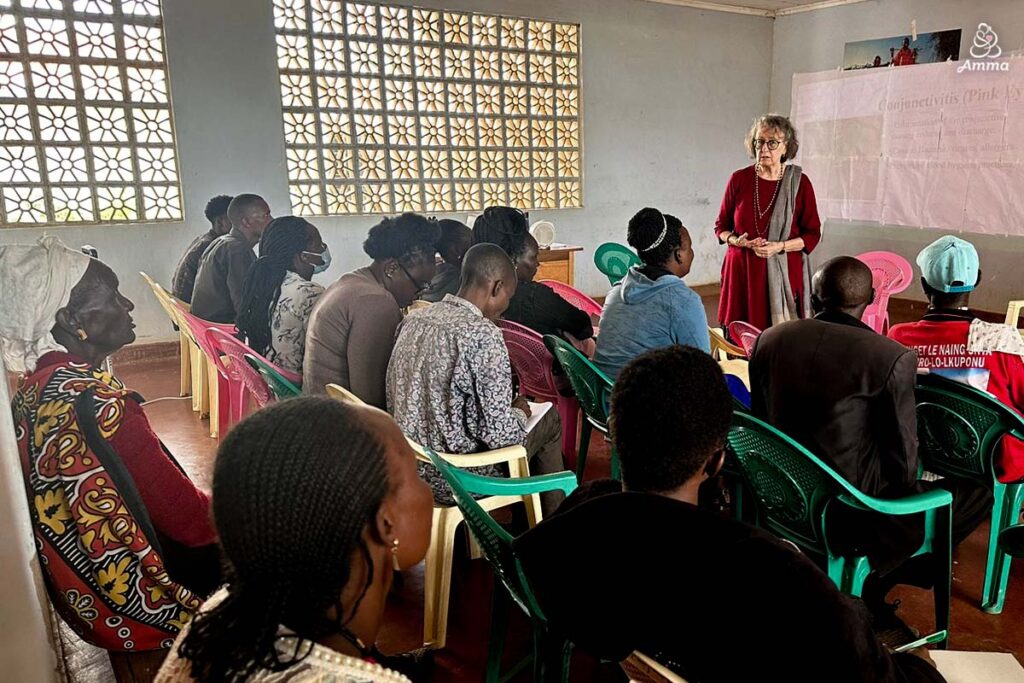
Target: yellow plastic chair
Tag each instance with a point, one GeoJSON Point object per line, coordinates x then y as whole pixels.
{"type": "Point", "coordinates": [438, 575]}
{"type": "Point", "coordinates": [1013, 310]}
{"type": "Point", "coordinates": [721, 349]}
{"type": "Point", "coordinates": [164, 298]}
{"type": "Point", "coordinates": [643, 669]}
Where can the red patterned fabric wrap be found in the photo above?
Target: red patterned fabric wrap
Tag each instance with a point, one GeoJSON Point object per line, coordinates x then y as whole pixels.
{"type": "Point", "coordinates": [93, 535]}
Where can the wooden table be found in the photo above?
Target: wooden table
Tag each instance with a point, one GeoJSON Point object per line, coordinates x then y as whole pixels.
{"type": "Point", "coordinates": [557, 262]}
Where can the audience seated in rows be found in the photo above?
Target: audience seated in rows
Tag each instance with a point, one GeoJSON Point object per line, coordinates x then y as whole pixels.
{"type": "Point", "coordinates": [218, 292]}
{"type": "Point", "coordinates": [125, 539]}
{"type": "Point", "coordinates": [652, 307]}
{"type": "Point", "coordinates": [847, 394]}
{"type": "Point", "coordinates": [278, 294]}
{"type": "Point", "coordinates": [318, 506]}
{"type": "Point", "coordinates": [449, 383]}
{"type": "Point", "coordinates": [455, 240]}
{"type": "Point", "coordinates": [950, 341]}
{"type": "Point", "coordinates": [352, 328]}
{"type": "Point", "coordinates": [184, 280]}
{"type": "Point", "coordinates": [534, 305]}
{"type": "Point", "coordinates": [713, 598]}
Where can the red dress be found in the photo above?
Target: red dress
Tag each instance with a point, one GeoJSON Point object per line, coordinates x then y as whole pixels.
{"type": "Point", "coordinates": [744, 273]}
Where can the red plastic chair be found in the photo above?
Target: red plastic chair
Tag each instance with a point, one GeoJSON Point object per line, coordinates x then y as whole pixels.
{"type": "Point", "coordinates": [532, 363]}
{"type": "Point", "coordinates": [890, 274]}
{"type": "Point", "coordinates": [745, 334]}
{"type": "Point", "coordinates": [246, 380]}
{"type": "Point", "coordinates": [220, 382]}
{"type": "Point", "coordinates": [574, 296]}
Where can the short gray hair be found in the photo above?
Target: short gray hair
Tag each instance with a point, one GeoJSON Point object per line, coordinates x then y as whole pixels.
{"type": "Point", "coordinates": [776, 122]}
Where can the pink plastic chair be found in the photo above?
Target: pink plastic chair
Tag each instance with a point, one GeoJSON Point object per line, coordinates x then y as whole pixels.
{"type": "Point", "coordinates": [532, 363]}
{"type": "Point", "coordinates": [222, 385]}
{"type": "Point", "coordinates": [745, 334]}
{"type": "Point", "coordinates": [890, 274]}
{"type": "Point", "coordinates": [246, 380]}
{"type": "Point", "coordinates": [574, 296]}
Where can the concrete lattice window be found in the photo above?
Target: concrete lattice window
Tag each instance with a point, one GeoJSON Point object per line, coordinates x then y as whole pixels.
{"type": "Point", "coordinates": [389, 109]}
{"type": "Point", "coordinates": [86, 133]}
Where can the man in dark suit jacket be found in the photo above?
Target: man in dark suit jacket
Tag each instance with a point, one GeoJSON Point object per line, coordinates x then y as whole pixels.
{"type": "Point", "coordinates": [847, 394]}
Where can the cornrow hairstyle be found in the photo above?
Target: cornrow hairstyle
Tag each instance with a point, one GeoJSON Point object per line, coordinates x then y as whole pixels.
{"type": "Point", "coordinates": [646, 228]}
{"type": "Point", "coordinates": [217, 207]}
{"type": "Point", "coordinates": [410, 238]}
{"type": "Point", "coordinates": [502, 225]}
{"type": "Point", "coordinates": [282, 240]}
{"type": "Point", "coordinates": [671, 411]}
{"type": "Point", "coordinates": [294, 487]}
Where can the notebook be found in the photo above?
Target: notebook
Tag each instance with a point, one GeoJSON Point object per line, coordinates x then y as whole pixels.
{"type": "Point", "coordinates": [978, 667]}
{"type": "Point", "coordinates": [537, 411]}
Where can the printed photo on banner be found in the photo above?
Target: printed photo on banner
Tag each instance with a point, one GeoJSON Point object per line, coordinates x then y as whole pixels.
{"type": "Point", "coordinates": [937, 46]}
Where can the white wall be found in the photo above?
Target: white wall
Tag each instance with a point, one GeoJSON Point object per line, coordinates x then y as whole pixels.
{"type": "Point", "coordinates": [814, 41]}
{"type": "Point", "coordinates": [667, 94]}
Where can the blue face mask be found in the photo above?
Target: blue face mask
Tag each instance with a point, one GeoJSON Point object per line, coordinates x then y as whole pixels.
{"type": "Point", "coordinates": [325, 256]}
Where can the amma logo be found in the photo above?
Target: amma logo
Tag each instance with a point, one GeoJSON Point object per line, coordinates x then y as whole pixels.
{"type": "Point", "coordinates": [985, 46]}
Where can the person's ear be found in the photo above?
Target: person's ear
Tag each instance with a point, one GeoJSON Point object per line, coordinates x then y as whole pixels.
{"type": "Point", "coordinates": [496, 288]}
{"type": "Point", "coordinates": [715, 463]}
{"type": "Point", "coordinates": [978, 281]}
{"type": "Point", "coordinates": [873, 295]}
{"type": "Point", "coordinates": [390, 266]}
{"type": "Point", "coordinates": [816, 304]}
{"type": "Point", "coordinates": [67, 321]}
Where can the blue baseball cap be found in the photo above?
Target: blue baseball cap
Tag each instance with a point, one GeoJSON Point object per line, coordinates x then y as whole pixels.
{"type": "Point", "coordinates": [949, 264]}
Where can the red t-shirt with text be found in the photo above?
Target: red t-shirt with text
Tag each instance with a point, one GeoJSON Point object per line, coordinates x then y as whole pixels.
{"type": "Point", "coordinates": [940, 341]}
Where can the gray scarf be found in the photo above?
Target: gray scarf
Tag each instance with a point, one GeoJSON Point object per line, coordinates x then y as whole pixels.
{"type": "Point", "coordinates": [780, 295]}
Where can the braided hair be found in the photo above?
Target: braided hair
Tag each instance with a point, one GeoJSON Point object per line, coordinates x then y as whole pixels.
{"type": "Point", "coordinates": [294, 487]}
{"type": "Point", "coordinates": [410, 238]}
{"type": "Point", "coordinates": [282, 240]}
{"type": "Point", "coordinates": [504, 226]}
{"type": "Point", "coordinates": [649, 226]}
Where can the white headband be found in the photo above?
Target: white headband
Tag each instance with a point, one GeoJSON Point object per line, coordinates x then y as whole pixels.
{"type": "Point", "coordinates": [664, 231]}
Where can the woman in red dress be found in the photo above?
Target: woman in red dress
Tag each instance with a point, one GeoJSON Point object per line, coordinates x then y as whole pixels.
{"type": "Point", "coordinates": [757, 198]}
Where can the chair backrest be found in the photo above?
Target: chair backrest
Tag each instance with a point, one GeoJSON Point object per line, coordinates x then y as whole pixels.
{"type": "Point", "coordinates": [280, 386]}
{"type": "Point", "coordinates": [791, 485]}
{"type": "Point", "coordinates": [531, 360]}
{"type": "Point", "coordinates": [574, 297]}
{"type": "Point", "coordinates": [746, 334]}
{"type": "Point", "coordinates": [198, 330]}
{"type": "Point", "coordinates": [890, 273]}
{"type": "Point", "coordinates": [592, 387]}
{"type": "Point", "coordinates": [614, 260]}
{"type": "Point", "coordinates": [495, 542]}
{"type": "Point", "coordinates": [959, 428]}
{"type": "Point", "coordinates": [721, 349]}
{"type": "Point", "coordinates": [239, 369]}
{"type": "Point", "coordinates": [162, 296]}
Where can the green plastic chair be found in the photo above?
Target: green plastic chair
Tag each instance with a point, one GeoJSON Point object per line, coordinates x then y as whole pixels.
{"type": "Point", "coordinates": [593, 391]}
{"type": "Point", "coordinates": [793, 490]}
{"type": "Point", "coordinates": [550, 657]}
{"type": "Point", "coordinates": [280, 387]}
{"type": "Point", "coordinates": [614, 260]}
{"type": "Point", "coordinates": [959, 429]}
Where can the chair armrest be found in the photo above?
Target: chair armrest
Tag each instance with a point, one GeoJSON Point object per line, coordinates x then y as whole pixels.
{"type": "Point", "coordinates": [919, 502]}
{"type": "Point", "coordinates": [495, 457]}
{"type": "Point", "coordinates": [501, 486]}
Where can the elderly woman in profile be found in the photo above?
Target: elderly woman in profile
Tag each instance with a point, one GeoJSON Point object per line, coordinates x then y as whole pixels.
{"type": "Point", "coordinates": [124, 536]}
{"type": "Point", "coordinates": [769, 220]}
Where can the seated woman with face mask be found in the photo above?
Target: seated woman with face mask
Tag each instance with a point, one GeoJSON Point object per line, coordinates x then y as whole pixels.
{"type": "Point", "coordinates": [278, 296]}
{"type": "Point", "coordinates": [124, 537]}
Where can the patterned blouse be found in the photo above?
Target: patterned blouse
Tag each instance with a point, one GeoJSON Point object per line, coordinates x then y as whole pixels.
{"type": "Point", "coordinates": [288, 321]}
{"type": "Point", "coordinates": [321, 665]}
{"type": "Point", "coordinates": [449, 386]}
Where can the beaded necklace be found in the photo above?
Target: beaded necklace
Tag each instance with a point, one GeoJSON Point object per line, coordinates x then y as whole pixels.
{"type": "Point", "coordinates": [758, 214]}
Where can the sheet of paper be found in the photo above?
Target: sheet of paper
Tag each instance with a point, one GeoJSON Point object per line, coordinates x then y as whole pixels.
{"type": "Point", "coordinates": [978, 667]}
{"type": "Point", "coordinates": [537, 411]}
